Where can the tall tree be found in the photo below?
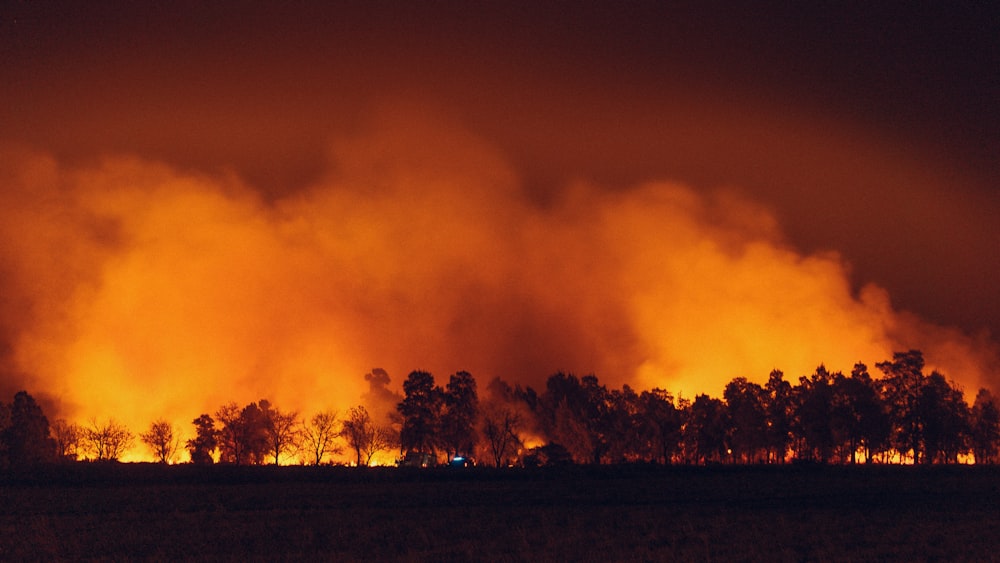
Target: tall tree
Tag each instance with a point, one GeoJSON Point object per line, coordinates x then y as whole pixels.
{"type": "Point", "coordinates": [26, 435]}
{"type": "Point", "coordinates": [203, 445]}
{"type": "Point", "coordinates": [814, 416]}
{"type": "Point", "coordinates": [421, 411]}
{"type": "Point", "coordinates": [319, 435]}
{"type": "Point", "coordinates": [458, 420]}
{"type": "Point", "coordinates": [745, 403]}
{"type": "Point", "coordinates": [162, 440]}
{"type": "Point", "coordinates": [778, 406]}
{"type": "Point", "coordinates": [900, 389]}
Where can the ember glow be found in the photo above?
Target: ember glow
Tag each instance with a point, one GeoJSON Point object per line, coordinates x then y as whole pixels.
{"type": "Point", "coordinates": [243, 251]}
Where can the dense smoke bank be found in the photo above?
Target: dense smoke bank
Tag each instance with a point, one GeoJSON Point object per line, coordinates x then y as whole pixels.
{"type": "Point", "coordinates": [135, 290]}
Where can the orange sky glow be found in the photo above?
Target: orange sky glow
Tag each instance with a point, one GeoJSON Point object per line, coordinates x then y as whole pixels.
{"type": "Point", "coordinates": [188, 228]}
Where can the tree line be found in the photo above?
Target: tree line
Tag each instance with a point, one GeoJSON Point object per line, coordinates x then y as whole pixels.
{"type": "Point", "coordinates": [903, 416]}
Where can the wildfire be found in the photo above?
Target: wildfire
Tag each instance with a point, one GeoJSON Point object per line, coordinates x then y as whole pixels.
{"type": "Point", "coordinates": [152, 292]}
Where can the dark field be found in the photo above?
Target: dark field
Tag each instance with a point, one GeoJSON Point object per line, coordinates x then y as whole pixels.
{"type": "Point", "coordinates": [578, 513]}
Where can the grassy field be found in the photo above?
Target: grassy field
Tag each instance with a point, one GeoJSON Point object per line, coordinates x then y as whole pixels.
{"type": "Point", "coordinates": [579, 513]}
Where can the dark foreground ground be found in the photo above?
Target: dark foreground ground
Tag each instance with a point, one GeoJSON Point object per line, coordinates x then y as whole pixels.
{"type": "Point", "coordinates": [579, 514]}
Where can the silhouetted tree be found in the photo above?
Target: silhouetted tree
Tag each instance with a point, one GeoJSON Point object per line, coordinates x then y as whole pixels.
{"type": "Point", "coordinates": [574, 414]}
{"type": "Point", "coordinates": [501, 426]}
{"type": "Point", "coordinates": [560, 409]}
{"type": "Point", "coordinates": [382, 439]}
{"type": "Point", "coordinates": [778, 406]}
{"type": "Point", "coordinates": [231, 446]}
{"type": "Point", "coordinates": [571, 433]}
{"type": "Point", "coordinates": [25, 435]}
{"type": "Point", "coordinates": [108, 441]}
{"type": "Point", "coordinates": [319, 435]}
{"type": "Point", "coordinates": [597, 416]}
{"type": "Point", "coordinates": [813, 418]}
{"type": "Point", "coordinates": [356, 430]}
{"type": "Point", "coordinates": [243, 438]}
{"type": "Point", "coordinates": [281, 430]}
{"type": "Point", "coordinates": [660, 425]}
{"type": "Point", "coordinates": [458, 419]}
{"type": "Point", "coordinates": [985, 428]}
{"type": "Point", "coordinates": [900, 389]}
{"type": "Point", "coordinates": [504, 417]}
{"type": "Point", "coordinates": [203, 445]}
{"type": "Point", "coordinates": [827, 416]}
{"type": "Point", "coordinates": [943, 417]}
{"type": "Point", "coordinates": [860, 421]}
{"type": "Point", "coordinates": [365, 437]}
{"type": "Point", "coordinates": [705, 430]}
{"type": "Point", "coordinates": [745, 403]}
{"type": "Point", "coordinates": [162, 440]}
{"type": "Point", "coordinates": [421, 412]}
{"type": "Point", "coordinates": [621, 428]}
{"type": "Point", "coordinates": [67, 438]}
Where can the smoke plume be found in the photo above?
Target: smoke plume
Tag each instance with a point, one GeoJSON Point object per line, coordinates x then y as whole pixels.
{"type": "Point", "coordinates": [134, 290]}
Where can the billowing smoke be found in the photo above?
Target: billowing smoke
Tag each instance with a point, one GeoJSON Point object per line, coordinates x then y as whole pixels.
{"type": "Point", "coordinates": [135, 290]}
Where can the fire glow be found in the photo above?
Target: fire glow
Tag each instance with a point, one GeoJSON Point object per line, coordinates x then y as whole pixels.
{"type": "Point", "coordinates": [152, 292]}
